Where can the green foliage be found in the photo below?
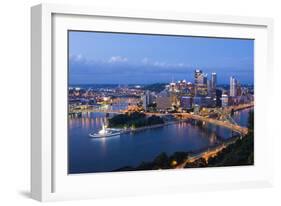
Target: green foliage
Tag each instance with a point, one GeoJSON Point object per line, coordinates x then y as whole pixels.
{"type": "Point", "coordinates": [161, 161]}
{"type": "Point", "coordinates": [135, 119]}
{"type": "Point", "coordinates": [251, 122]}
{"type": "Point", "coordinates": [179, 157]}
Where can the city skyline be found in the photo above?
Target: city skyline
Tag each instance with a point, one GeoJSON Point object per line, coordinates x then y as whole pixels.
{"type": "Point", "coordinates": [111, 58]}
{"type": "Point", "coordinates": [189, 101]}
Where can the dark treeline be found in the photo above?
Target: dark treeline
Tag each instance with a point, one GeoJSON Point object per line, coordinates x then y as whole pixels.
{"type": "Point", "coordinates": [135, 119]}
{"type": "Point", "coordinates": [162, 161]}
{"type": "Point", "coordinates": [157, 87]}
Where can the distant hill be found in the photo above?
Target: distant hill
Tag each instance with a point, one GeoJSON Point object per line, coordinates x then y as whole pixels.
{"type": "Point", "coordinates": [157, 87]}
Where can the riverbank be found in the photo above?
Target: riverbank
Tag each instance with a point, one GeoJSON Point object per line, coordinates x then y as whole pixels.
{"type": "Point", "coordinates": [132, 149]}
{"type": "Point", "coordinates": [128, 130]}
{"type": "Point", "coordinates": [236, 151]}
{"type": "Point", "coordinates": [213, 156]}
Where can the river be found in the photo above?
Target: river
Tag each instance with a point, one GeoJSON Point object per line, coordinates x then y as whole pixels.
{"type": "Point", "coordinates": [87, 155]}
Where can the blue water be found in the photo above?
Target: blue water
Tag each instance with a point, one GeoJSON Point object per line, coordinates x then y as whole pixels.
{"type": "Point", "coordinates": [86, 155]}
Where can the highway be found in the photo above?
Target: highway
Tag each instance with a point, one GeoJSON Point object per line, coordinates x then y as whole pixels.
{"type": "Point", "coordinates": [210, 153]}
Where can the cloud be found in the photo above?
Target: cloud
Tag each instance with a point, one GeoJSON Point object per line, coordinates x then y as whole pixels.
{"type": "Point", "coordinates": [76, 57]}
{"type": "Point", "coordinates": [118, 64]}
{"type": "Point", "coordinates": [114, 59]}
{"type": "Point", "coordinates": [145, 60]}
{"type": "Point", "coordinates": [117, 69]}
{"type": "Point", "coordinates": [161, 64]}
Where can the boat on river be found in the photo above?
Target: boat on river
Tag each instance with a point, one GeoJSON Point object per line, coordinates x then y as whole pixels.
{"type": "Point", "coordinates": [106, 132]}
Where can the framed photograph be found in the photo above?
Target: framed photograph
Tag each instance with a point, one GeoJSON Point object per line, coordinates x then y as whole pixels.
{"type": "Point", "coordinates": [136, 102]}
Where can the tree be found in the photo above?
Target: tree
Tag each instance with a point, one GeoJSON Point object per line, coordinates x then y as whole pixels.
{"type": "Point", "coordinates": [162, 161]}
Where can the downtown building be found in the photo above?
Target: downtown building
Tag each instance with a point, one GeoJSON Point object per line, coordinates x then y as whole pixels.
{"type": "Point", "coordinates": [164, 101]}
{"type": "Point", "coordinates": [236, 94]}
{"type": "Point", "coordinates": [213, 85]}
{"type": "Point", "coordinates": [204, 89]}
{"type": "Point", "coordinates": [147, 99]}
{"type": "Point", "coordinates": [200, 78]}
{"type": "Point", "coordinates": [224, 100]}
{"type": "Point", "coordinates": [214, 81]}
{"type": "Point", "coordinates": [233, 87]}
{"type": "Point", "coordinates": [200, 83]}
{"type": "Point", "coordinates": [186, 102]}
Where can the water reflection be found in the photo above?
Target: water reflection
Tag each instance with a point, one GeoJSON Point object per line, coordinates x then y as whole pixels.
{"type": "Point", "coordinates": [106, 154]}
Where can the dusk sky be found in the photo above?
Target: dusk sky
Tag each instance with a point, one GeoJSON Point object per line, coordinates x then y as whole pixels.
{"type": "Point", "coordinates": [111, 58]}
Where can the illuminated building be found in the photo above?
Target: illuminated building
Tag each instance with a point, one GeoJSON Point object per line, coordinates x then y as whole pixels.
{"type": "Point", "coordinates": [186, 102]}
{"type": "Point", "coordinates": [202, 79]}
{"type": "Point", "coordinates": [209, 87]}
{"type": "Point", "coordinates": [163, 102]}
{"type": "Point", "coordinates": [200, 83]}
{"type": "Point", "coordinates": [224, 100]}
{"type": "Point", "coordinates": [198, 101]}
{"type": "Point", "coordinates": [197, 74]}
{"type": "Point", "coordinates": [239, 89]}
{"type": "Point", "coordinates": [214, 81]}
{"type": "Point", "coordinates": [173, 87]}
{"type": "Point", "coordinates": [196, 109]}
{"type": "Point", "coordinates": [147, 99]}
{"type": "Point", "coordinates": [202, 101]}
{"type": "Point", "coordinates": [233, 87]}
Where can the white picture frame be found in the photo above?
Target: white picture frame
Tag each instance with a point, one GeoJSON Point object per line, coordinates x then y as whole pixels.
{"type": "Point", "coordinates": [48, 152]}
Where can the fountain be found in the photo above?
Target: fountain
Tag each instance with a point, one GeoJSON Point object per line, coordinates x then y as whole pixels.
{"type": "Point", "coordinates": [106, 132]}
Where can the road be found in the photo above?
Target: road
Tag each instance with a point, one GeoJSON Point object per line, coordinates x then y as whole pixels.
{"type": "Point", "coordinates": [210, 153]}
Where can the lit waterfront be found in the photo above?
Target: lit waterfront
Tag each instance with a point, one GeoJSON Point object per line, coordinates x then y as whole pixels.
{"type": "Point", "coordinates": [158, 102]}
{"type": "Point", "coordinates": [108, 154]}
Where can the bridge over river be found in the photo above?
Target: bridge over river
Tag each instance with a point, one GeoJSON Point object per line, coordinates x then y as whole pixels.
{"type": "Point", "coordinates": [228, 123]}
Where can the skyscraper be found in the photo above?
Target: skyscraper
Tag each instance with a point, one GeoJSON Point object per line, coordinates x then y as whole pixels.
{"type": "Point", "coordinates": [201, 79]}
{"type": "Point", "coordinates": [214, 81]}
{"type": "Point", "coordinates": [186, 102]}
{"type": "Point", "coordinates": [200, 83]}
{"type": "Point", "coordinates": [233, 87]}
{"type": "Point", "coordinates": [209, 87]}
{"type": "Point", "coordinates": [224, 100]}
{"type": "Point", "coordinates": [197, 75]}
{"type": "Point", "coordinates": [146, 99]}
{"type": "Point", "coordinates": [204, 79]}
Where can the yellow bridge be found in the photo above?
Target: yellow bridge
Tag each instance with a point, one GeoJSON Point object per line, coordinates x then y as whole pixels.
{"type": "Point", "coordinates": [227, 124]}
{"type": "Point", "coordinates": [234, 127]}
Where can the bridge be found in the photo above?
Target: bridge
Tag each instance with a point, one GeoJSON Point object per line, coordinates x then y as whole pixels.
{"type": "Point", "coordinates": [230, 124]}
{"type": "Point", "coordinates": [97, 110]}
{"type": "Point", "coordinates": [239, 107]}
{"type": "Point", "coordinates": [227, 124]}
{"type": "Point", "coordinates": [226, 121]}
